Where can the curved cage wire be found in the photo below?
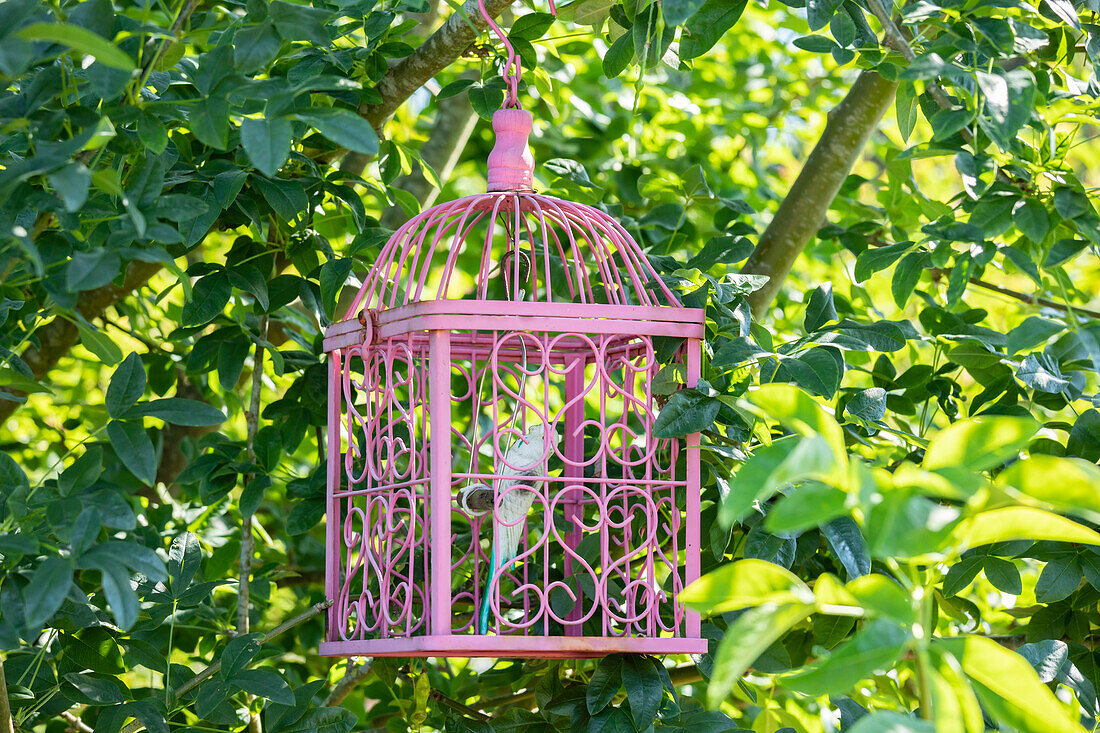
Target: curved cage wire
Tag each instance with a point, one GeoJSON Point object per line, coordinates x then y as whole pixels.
{"type": "Point", "coordinates": [546, 248]}
{"type": "Point", "coordinates": [495, 485]}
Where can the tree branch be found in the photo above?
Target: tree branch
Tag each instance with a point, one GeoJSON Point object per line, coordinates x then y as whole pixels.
{"type": "Point", "coordinates": [431, 57]}
{"type": "Point", "coordinates": [353, 677]}
{"type": "Point", "coordinates": [803, 210]}
{"type": "Point", "coordinates": [58, 337]}
{"type": "Point", "coordinates": [453, 125]}
{"type": "Point", "coordinates": [213, 669]}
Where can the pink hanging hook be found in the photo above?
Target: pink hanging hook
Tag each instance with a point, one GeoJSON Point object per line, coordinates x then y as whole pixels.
{"type": "Point", "coordinates": [513, 67]}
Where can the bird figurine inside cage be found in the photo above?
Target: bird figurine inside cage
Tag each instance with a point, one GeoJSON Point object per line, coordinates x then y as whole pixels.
{"type": "Point", "coordinates": [494, 485]}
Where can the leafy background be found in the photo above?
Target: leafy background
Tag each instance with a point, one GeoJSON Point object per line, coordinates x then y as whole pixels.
{"type": "Point", "coordinates": [901, 434]}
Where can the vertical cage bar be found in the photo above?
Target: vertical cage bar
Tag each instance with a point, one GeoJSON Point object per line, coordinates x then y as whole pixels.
{"type": "Point", "coordinates": [692, 491]}
{"type": "Point", "coordinates": [332, 516]}
{"type": "Point", "coordinates": [573, 471]}
{"type": "Point", "coordinates": [438, 542]}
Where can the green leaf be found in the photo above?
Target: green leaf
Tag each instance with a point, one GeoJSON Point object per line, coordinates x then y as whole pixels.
{"type": "Point", "coordinates": [238, 653]}
{"type": "Point", "coordinates": [138, 558]}
{"type": "Point", "coordinates": [134, 449]}
{"type": "Point", "coordinates": [820, 12]}
{"type": "Point", "coordinates": [116, 587]}
{"type": "Point", "coordinates": [1008, 524]}
{"type": "Point", "coordinates": [334, 274]}
{"type": "Point", "coordinates": [808, 505]}
{"type": "Point", "coordinates": [802, 413]}
{"type": "Point", "coordinates": [676, 12]}
{"type": "Point", "coordinates": [1009, 676]}
{"type": "Point", "coordinates": [1032, 332]}
{"type": "Point", "coordinates": [962, 574]}
{"type": "Point", "coordinates": [874, 648]}
{"type": "Point", "coordinates": [881, 596]}
{"type": "Point", "coordinates": [93, 648]}
{"type": "Point", "coordinates": [127, 386]}
{"type": "Point", "coordinates": [1039, 372]}
{"type": "Point", "coordinates": [746, 639]}
{"type": "Point", "coordinates": [1003, 575]}
{"type": "Point", "coordinates": [300, 22]}
{"type": "Point", "coordinates": [1071, 203]}
{"type": "Point", "coordinates": [80, 40]}
{"type": "Point", "coordinates": [1066, 484]}
{"type": "Point", "coordinates": [1084, 436]}
{"type": "Point", "coordinates": [820, 310]}
{"type": "Point", "coordinates": [906, 276]}
{"type": "Point", "coordinates": [875, 259]}
{"type": "Point", "coordinates": [287, 198]}
{"type": "Point", "coordinates": [46, 591]}
{"type": "Point", "coordinates": [644, 689]}
{"type": "Point", "coordinates": [1032, 219]}
{"type": "Point", "coordinates": [906, 526]}
{"type": "Point", "coordinates": [604, 684]}
{"type": "Point", "coordinates": [979, 443]}
{"type": "Point", "coordinates": [687, 411]}
{"type": "Point", "coordinates": [89, 270]}
{"type": "Point", "coordinates": [209, 121]}
{"type": "Point", "coordinates": [745, 583]}
{"type": "Point", "coordinates": [868, 404]}
{"type": "Point", "coordinates": [100, 690]}
{"type": "Point", "coordinates": [1060, 577]}
{"type": "Point", "coordinates": [707, 26]}
{"type": "Point", "coordinates": [264, 683]}
{"type": "Point", "coordinates": [618, 56]}
{"type": "Point", "coordinates": [83, 472]}
{"type": "Point", "coordinates": [267, 142]}
{"type": "Point", "coordinates": [184, 557]}
{"type": "Point", "coordinates": [254, 47]}
{"type": "Point", "coordinates": [889, 722]}
{"type": "Point", "coordinates": [209, 296]}
{"type": "Point", "coordinates": [847, 543]}
{"type": "Point", "coordinates": [532, 26]}
{"type": "Point", "coordinates": [323, 720]}
{"type": "Point", "coordinates": [71, 184]}
{"type": "Point", "coordinates": [181, 411]}
{"type": "Point", "coordinates": [343, 127]}
{"type": "Point", "coordinates": [1009, 101]}
{"type": "Point", "coordinates": [211, 695]}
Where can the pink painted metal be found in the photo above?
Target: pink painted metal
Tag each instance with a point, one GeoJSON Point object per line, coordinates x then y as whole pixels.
{"type": "Point", "coordinates": [554, 320]}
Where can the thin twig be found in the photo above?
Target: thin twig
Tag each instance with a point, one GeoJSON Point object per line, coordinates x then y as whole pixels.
{"type": "Point", "coordinates": [1032, 299]}
{"type": "Point", "coordinates": [450, 702]}
{"type": "Point", "coordinates": [76, 723]}
{"type": "Point", "coordinates": [214, 668]}
{"type": "Point", "coordinates": [352, 677]}
{"type": "Point", "coordinates": [252, 418]}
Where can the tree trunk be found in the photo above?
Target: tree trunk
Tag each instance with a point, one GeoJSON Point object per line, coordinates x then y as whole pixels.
{"type": "Point", "coordinates": [803, 211]}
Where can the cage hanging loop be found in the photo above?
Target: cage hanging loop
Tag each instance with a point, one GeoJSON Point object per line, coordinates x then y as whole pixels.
{"type": "Point", "coordinates": [513, 67]}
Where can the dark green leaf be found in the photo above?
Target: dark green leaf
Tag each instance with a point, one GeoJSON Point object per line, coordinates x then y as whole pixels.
{"type": "Point", "coordinates": [688, 411]}
{"type": "Point", "coordinates": [184, 557]}
{"type": "Point", "coordinates": [209, 296]}
{"type": "Point", "coordinates": [1060, 577]}
{"type": "Point", "coordinates": [46, 591]}
{"type": "Point", "coordinates": [267, 142]}
{"type": "Point", "coordinates": [847, 543]}
{"type": "Point", "coordinates": [264, 683]}
{"type": "Point", "coordinates": [604, 684]}
{"type": "Point", "coordinates": [134, 449]}
{"type": "Point", "coordinates": [708, 25]}
{"type": "Point", "coordinates": [344, 128]}
{"type": "Point", "coordinates": [643, 688]}
{"type": "Point", "coordinates": [127, 386]}
{"type": "Point", "coordinates": [181, 411]}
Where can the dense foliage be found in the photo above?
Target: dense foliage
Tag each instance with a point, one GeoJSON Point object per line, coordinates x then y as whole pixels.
{"type": "Point", "coordinates": [901, 488]}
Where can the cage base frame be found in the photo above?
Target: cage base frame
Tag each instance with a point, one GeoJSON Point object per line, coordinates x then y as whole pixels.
{"type": "Point", "coordinates": [512, 646]}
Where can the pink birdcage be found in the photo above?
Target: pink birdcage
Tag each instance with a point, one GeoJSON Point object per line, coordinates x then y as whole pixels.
{"type": "Point", "coordinates": [494, 485]}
